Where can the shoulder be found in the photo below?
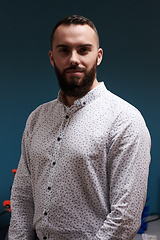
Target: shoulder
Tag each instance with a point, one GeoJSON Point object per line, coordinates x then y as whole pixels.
{"type": "Point", "coordinates": [124, 116]}
{"type": "Point", "coordinates": [119, 107]}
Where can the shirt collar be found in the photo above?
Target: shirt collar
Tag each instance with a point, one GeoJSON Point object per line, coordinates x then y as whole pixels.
{"type": "Point", "coordinates": [89, 97]}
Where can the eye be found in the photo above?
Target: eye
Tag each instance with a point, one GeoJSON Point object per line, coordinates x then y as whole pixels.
{"type": "Point", "coordinates": [83, 50]}
{"type": "Point", "coordinates": [64, 50]}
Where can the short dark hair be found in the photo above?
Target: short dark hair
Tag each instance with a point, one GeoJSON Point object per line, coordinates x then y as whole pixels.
{"type": "Point", "coordinates": [76, 20]}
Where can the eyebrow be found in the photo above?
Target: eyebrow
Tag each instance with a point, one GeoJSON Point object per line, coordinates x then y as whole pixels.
{"type": "Point", "coordinates": [82, 45]}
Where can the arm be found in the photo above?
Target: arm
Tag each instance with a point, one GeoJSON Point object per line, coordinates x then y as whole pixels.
{"type": "Point", "coordinates": [22, 206]}
{"type": "Point", "coordinates": [128, 159]}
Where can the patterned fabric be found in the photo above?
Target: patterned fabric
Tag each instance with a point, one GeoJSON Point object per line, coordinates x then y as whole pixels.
{"type": "Point", "coordinates": [83, 170]}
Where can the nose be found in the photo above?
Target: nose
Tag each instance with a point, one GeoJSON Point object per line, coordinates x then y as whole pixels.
{"type": "Point", "coordinates": [74, 58]}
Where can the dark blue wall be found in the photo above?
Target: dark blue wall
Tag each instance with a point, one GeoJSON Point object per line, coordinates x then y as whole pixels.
{"type": "Point", "coordinates": [130, 36]}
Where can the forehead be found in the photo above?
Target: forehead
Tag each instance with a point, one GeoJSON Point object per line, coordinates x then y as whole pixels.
{"type": "Point", "coordinates": [72, 34]}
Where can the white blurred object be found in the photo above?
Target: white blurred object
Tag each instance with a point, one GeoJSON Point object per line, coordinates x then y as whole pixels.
{"type": "Point", "coordinates": [149, 237]}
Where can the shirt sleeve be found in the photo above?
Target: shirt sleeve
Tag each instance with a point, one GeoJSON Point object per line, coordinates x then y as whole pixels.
{"type": "Point", "coordinates": [22, 207]}
{"type": "Point", "coordinates": [128, 166]}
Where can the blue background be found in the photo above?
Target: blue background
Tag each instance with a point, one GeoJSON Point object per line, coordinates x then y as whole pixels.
{"type": "Point", "coordinates": [130, 37]}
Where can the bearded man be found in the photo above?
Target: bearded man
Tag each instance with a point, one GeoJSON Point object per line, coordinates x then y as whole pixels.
{"type": "Point", "coordinates": [85, 156]}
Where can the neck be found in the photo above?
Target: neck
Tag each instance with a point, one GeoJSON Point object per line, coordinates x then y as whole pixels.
{"type": "Point", "coordinates": [69, 101]}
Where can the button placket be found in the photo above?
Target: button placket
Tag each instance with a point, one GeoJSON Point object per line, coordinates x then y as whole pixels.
{"type": "Point", "coordinates": [55, 158]}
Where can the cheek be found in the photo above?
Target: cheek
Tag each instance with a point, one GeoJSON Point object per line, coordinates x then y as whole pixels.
{"type": "Point", "coordinates": [89, 64]}
{"type": "Point", "coordinates": [59, 61]}
{"type": "Point", "coordinates": [61, 64]}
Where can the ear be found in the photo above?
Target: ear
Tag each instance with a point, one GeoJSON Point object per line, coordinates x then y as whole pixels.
{"type": "Point", "coordinates": [51, 58]}
{"type": "Point", "coordinates": [100, 55]}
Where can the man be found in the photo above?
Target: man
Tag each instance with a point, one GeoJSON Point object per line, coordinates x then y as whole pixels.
{"type": "Point", "coordinates": [85, 156]}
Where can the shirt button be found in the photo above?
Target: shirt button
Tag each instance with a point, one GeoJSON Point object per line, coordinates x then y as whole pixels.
{"type": "Point", "coordinates": [58, 139]}
{"type": "Point", "coordinates": [67, 116]}
{"type": "Point", "coordinates": [45, 213]}
{"type": "Point", "coordinates": [44, 237]}
{"type": "Point", "coordinates": [54, 163]}
{"type": "Point", "coordinates": [84, 103]}
{"type": "Point", "coordinates": [49, 188]}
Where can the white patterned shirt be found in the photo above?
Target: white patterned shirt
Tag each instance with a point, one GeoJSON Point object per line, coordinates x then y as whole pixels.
{"type": "Point", "coordinates": [83, 170]}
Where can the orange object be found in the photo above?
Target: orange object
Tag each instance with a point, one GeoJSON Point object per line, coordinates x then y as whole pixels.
{"type": "Point", "coordinates": [14, 172]}
{"type": "Point", "coordinates": [7, 203]}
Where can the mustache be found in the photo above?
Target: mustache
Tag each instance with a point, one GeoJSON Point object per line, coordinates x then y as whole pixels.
{"type": "Point", "coordinates": [74, 68]}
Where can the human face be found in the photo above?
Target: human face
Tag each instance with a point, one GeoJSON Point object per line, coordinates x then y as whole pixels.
{"type": "Point", "coordinates": [75, 53]}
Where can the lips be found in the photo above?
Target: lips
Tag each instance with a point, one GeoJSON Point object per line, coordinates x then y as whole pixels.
{"type": "Point", "coordinates": [74, 71]}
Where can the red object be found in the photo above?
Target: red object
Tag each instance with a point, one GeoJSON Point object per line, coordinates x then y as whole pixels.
{"type": "Point", "coordinates": [7, 203]}
{"type": "Point", "coordinates": [14, 172]}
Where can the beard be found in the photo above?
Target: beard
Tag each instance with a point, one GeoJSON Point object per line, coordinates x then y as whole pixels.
{"type": "Point", "coordinates": [76, 86]}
